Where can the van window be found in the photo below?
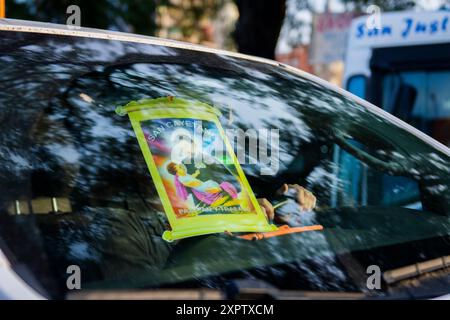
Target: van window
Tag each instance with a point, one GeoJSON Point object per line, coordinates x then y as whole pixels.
{"type": "Point", "coordinates": [357, 85]}
{"type": "Point", "coordinates": [429, 109]}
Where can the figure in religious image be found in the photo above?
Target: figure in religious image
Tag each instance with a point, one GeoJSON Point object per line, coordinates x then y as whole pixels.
{"type": "Point", "coordinates": [208, 192]}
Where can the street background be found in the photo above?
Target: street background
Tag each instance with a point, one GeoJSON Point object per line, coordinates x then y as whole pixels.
{"type": "Point", "coordinates": [310, 35]}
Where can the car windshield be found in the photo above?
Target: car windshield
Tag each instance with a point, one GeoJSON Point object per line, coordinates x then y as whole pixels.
{"type": "Point", "coordinates": [76, 190]}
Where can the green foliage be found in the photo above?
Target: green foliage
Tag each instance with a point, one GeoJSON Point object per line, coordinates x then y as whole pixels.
{"type": "Point", "coordinates": [189, 20]}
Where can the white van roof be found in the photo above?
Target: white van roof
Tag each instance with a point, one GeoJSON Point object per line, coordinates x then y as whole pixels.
{"type": "Point", "coordinates": [402, 28]}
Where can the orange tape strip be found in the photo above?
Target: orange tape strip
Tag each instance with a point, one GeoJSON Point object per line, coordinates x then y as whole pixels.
{"type": "Point", "coordinates": [285, 229]}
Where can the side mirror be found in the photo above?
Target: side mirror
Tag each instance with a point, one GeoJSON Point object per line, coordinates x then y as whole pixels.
{"type": "Point", "coordinates": [404, 101]}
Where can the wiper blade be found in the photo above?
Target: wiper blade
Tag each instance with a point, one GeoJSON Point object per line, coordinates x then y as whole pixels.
{"type": "Point", "coordinates": [416, 269]}
{"type": "Point", "coordinates": [146, 294]}
{"type": "Point", "coordinates": [257, 289]}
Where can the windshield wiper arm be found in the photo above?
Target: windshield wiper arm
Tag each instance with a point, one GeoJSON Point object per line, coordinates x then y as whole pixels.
{"type": "Point", "coordinates": [416, 269]}
{"type": "Point", "coordinates": [146, 294]}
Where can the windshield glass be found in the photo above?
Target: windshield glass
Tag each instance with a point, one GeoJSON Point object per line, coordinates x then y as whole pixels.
{"type": "Point", "coordinates": [76, 189]}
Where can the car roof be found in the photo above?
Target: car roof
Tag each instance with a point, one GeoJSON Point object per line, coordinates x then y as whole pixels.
{"type": "Point", "coordinates": [61, 29]}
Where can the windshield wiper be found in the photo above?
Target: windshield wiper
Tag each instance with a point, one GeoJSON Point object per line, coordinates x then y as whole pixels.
{"type": "Point", "coordinates": [416, 269]}
{"type": "Point", "coordinates": [147, 294]}
{"type": "Point", "coordinates": [257, 289]}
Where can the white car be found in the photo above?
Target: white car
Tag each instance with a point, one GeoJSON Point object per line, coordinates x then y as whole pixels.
{"type": "Point", "coordinates": [82, 215]}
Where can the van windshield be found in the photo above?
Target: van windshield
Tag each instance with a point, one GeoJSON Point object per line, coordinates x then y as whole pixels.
{"type": "Point", "coordinates": [420, 98]}
{"type": "Point", "coordinates": [76, 190]}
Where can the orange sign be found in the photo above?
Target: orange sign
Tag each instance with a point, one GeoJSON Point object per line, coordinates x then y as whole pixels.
{"type": "Point", "coordinates": [2, 8]}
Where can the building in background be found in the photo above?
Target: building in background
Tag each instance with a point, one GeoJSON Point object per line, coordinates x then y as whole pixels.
{"type": "Point", "coordinates": [297, 57]}
{"type": "Point", "coordinates": [329, 37]}
{"type": "Point", "coordinates": [329, 44]}
{"type": "Point", "coordinates": [325, 54]}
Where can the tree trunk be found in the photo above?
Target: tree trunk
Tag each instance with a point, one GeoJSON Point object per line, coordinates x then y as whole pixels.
{"type": "Point", "coordinates": [258, 26]}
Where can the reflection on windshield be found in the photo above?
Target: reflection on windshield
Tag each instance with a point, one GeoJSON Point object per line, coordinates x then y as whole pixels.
{"type": "Point", "coordinates": [76, 190]}
{"type": "Point", "coordinates": [429, 106]}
